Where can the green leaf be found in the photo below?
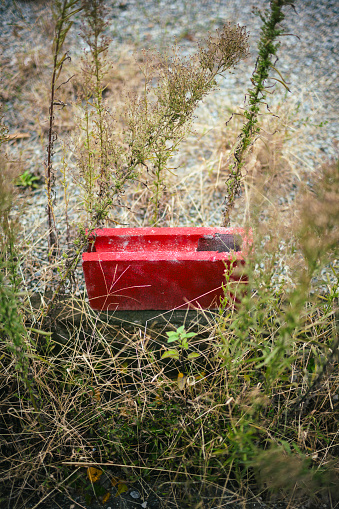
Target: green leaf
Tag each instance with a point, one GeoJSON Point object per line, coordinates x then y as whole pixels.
{"type": "Point", "coordinates": [170, 340]}
{"type": "Point", "coordinates": [220, 451]}
{"type": "Point", "coordinates": [184, 343]}
{"type": "Point", "coordinates": [280, 81]}
{"type": "Point", "coordinates": [172, 333]}
{"type": "Point", "coordinates": [99, 490]}
{"type": "Point", "coordinates": [70, 14]}
{"type": "Point", "coordinates": [63, 34]}
{"type": "Point", "coordinates": [281, 76]}
{"type": "Point", "coordinates": [38, 331]}
{"type": "Point", "coordinates": [193, 355]}
{"type": "Point", "coordinates": [190, 335]}
{"type": "Point", "coordinates": [61, 60]}
{"type": "Point", "coordinates": [286, 446]}
{"type": "Point", "coordinates": [174, 354]}
{"type": "Point", "coordinates": [71, 3]}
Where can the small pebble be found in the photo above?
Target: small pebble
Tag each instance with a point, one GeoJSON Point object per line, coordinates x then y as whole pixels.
{"type": "Point", "coordinates": [135, 494]}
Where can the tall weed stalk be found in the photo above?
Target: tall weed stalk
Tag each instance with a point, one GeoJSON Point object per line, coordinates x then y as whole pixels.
{"type": "Point", "coordinates": [257, 95]}
{"type": "Point", "coordinates": [62, 13]}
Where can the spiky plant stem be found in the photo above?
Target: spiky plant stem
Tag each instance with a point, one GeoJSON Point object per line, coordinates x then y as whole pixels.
{"type": "Point", "coordinates": [257, 96]}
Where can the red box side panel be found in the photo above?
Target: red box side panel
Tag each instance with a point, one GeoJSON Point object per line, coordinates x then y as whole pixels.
{"type": "Point", "coordinates": [155, 269]}
{"type": "Point", "coordinates": [161, 285]}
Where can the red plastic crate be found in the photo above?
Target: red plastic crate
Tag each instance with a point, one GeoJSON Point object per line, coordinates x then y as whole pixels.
{"type": "Point", "coordinates": [161, 268]}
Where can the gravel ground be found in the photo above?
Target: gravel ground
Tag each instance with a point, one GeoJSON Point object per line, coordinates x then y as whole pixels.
{"type": "Point", "coordinates": [308, 60]}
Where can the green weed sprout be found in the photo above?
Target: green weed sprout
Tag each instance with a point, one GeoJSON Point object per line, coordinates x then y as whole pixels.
{"type": "Point", "coordinates": [182, 337]}
{"type": "Point", "coordinates": [27, 179]}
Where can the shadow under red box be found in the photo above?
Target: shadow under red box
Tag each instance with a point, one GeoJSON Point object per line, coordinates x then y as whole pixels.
{"type": "Point", "coordinates": [162, 268]}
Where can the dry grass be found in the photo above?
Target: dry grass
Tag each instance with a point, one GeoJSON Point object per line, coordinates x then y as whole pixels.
{"type": "Point", "coordinates": [106, 399]}
{"type": "Point", "coordinates": [257, 414]}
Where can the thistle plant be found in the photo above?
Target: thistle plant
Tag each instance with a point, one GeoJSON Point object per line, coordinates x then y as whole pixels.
{"type": "Point", "coordinates": [268, 48]}
{"type": "Point", "coordinates": [99, 155]}
{"type": "Point", "coordinates": [93, 72]}
{"type": "Point", "coordinates": [167, 110]}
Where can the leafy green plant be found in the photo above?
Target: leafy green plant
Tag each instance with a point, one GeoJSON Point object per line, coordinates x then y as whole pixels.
{"type": "Point", "coordinates": [13, 332]}
{"type": "Point", "coordinates": [27, 179]}
{"type": "Point", "coordinates": [181, 337]}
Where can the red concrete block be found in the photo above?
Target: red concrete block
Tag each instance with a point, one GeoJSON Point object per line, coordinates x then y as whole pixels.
{"type": "Point", "coordinates": [161, 268]}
